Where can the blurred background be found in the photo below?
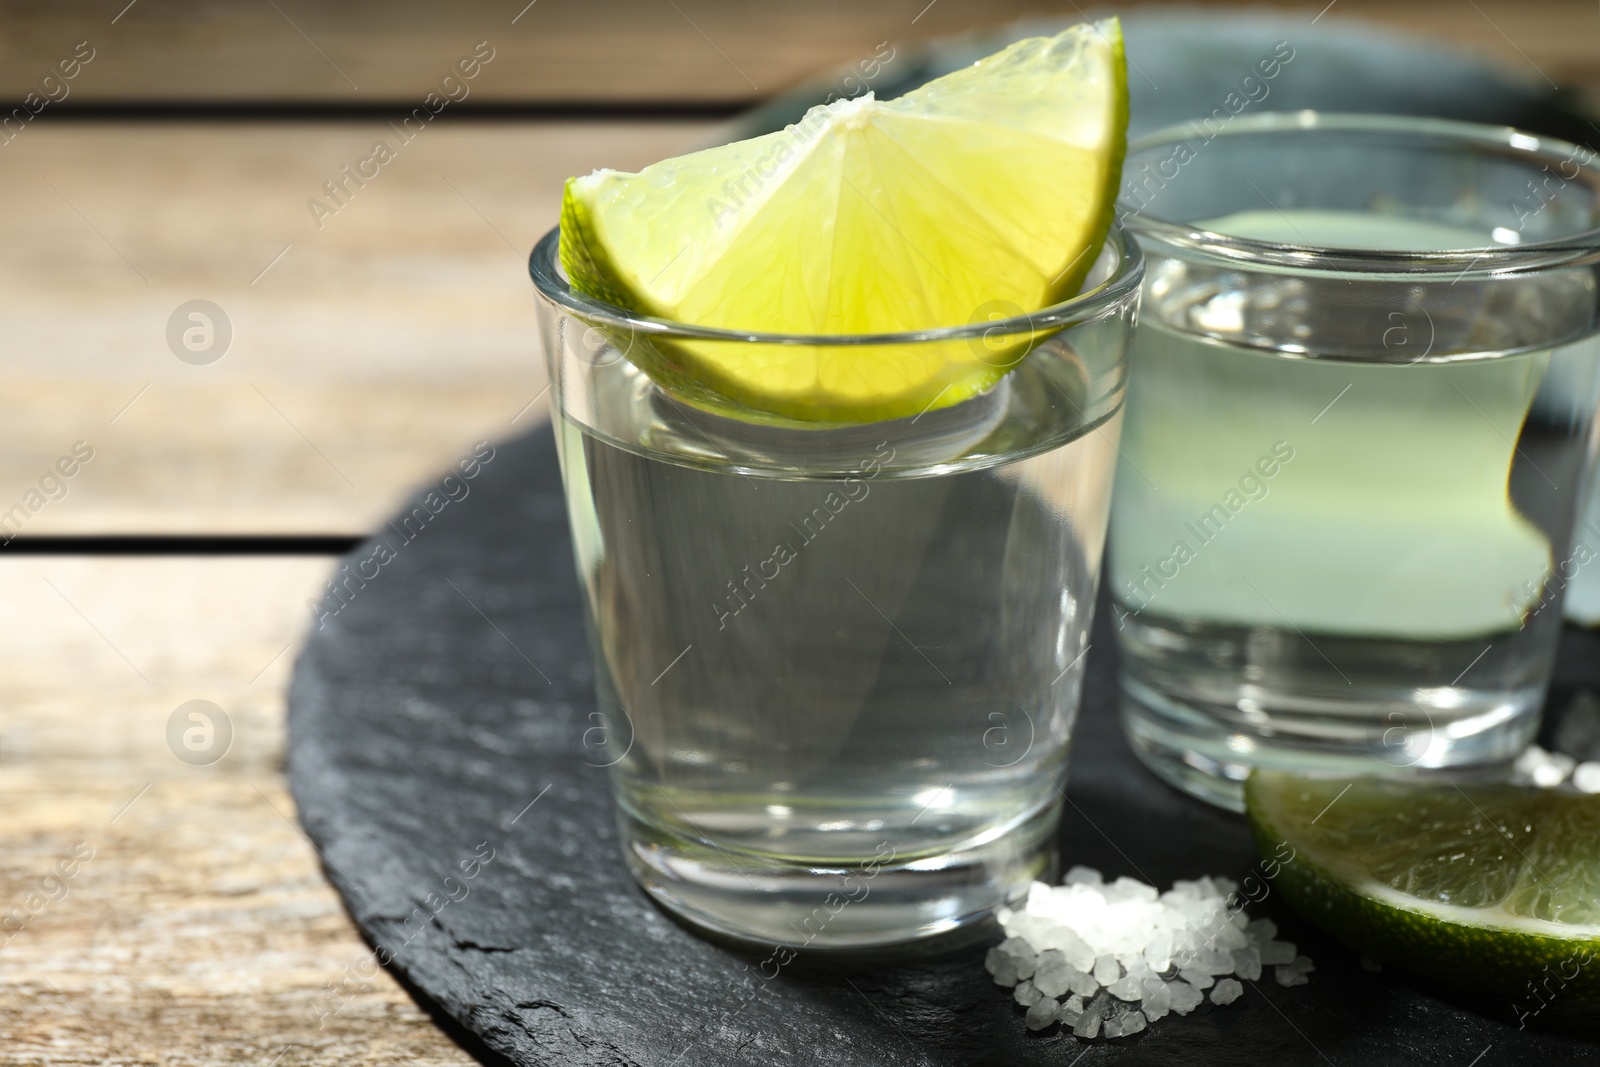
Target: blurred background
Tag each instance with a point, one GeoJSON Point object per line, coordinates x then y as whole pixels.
{"type": "Point", "coordinates": [263, 263]}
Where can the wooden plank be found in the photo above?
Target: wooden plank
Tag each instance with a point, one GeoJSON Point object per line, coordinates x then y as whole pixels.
{"type": "Point", "coordinates": [99, 651]}
{"type": "Point", "coordinates": [366, 352]}
{"type": "Point", "coordinates": [551, 51]}
{"type": "Point", "coordinates": [200, 930]}
{"type": "Point", "coordinates": [370, 344]}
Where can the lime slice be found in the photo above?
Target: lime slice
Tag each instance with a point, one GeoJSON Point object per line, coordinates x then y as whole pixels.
{"type": "Point", "coordinates": [984, 194]}
{"type": "Point", "coordinates": [1491, 888]}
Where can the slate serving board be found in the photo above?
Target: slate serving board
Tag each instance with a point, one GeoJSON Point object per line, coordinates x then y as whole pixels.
{"type": "Point", "coordinates": [452, 691]}
{"type": "Point", "coordinates": [442, 754]}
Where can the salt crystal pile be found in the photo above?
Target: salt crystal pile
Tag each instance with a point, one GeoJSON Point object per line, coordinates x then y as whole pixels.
{"type": "Point", "coordinates": [1550, 770]}
{"type": "Point", "coordinates": [1108, 959]}
{"type": "Point", "coordinates": [1537, 767]}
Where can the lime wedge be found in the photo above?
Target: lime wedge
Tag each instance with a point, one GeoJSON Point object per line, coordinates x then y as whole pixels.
{"type": "Point", "coordinates": [1491, 888]}
{"type": "Point", "coordinates": [981, 195]}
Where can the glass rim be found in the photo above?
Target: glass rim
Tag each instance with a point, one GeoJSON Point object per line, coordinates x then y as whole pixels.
{"type": "Point", "coordinates": [1580, 249]}
{"type": "Point", "coordinates": [1092, 305]}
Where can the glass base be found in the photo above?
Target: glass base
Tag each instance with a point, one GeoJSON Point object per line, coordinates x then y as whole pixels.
{"type": "Point", "coordinates": [1203, 704]}
{"type": "Point", "coordinates": [768, 901]}
{"type": "Point", "coordinates": [1209, 755]}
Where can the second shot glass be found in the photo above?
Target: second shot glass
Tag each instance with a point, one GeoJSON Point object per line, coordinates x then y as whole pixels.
{"type": "Point", "coordinates": [1361, 414]}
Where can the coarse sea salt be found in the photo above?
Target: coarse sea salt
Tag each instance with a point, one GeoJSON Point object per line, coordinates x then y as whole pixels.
{"type": "Point", "coordinates": [1109, 959]}
{"type": "Point", "coordinates": [1547, 770]}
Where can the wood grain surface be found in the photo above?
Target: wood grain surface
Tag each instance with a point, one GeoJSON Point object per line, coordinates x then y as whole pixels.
{"type": "Point", "coordinates": [199, 929]}
{"type": "Point", "coordinates": [365, 353]}
{"type": "Point", "coordinates": [374, 337]}
{"type": "Point", "coordinates": [621, 51]}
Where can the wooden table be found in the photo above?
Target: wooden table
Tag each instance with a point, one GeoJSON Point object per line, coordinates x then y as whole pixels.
{"type": "Point", "coordinates": [366, 352]}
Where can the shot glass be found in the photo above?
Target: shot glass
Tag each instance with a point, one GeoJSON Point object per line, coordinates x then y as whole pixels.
{"type": "Point", "coordinates": [1581, 576]}
{"type": "Point", "coordinates": [837, 665]}
{"type": "Point", "coordinates": [1361, 414]}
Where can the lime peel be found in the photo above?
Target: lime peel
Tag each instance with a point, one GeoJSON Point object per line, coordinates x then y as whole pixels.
{"type": "Point", "coordinates": [981, 195]}
{"type": "Point", "coordinates": [1493, 949]}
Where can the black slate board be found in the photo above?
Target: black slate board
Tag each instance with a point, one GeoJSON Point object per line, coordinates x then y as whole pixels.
{"type": "Point", "coordinates": [453, 690]}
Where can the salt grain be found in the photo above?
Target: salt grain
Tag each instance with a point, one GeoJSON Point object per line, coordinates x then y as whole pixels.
{"type": "Point", "coordinates": [1158, 953]}
{"type": "Point", "coordinates": [1537, 767]}
{"type": "Point", "coordinates": [1088, 1024]}
{"type": "Point", "coordinates": [1017, 948]}
{"type": "Point", "coordinates": [1294, 972]}
{"type": "Point", "coordinates": [1083, 876]}
{"type": "Point", "coordinates": [1288, 976]}
{"type": "Point", "coordinates": [1586, 777]}
{"type": "Point", "coordinates": [1129, 987]}
{"type": "Point", "coordinates": [1157, 999]}
{"type": "Point", "coordinates": [1002, 966]}
{"type": "Point", "coordinates": [1126, 956]}
{"type": "Point", "coordinates": [1052, 980]}
{"type": "Point", "coordinates": [1082, 983]}
{"type": "Point", "coordinates": [1226, 992]}
{"type": "Point", "coordinates": [1277, 952]}
{"type": "Point", "coordinates": [1044, 1012]}
{"type": "Point", "coordinates": [1185, 997]}
{"type": "Point", "coordinates": [1071, 946]}
{"type": "Point", "coordinates": [1129, 1022]}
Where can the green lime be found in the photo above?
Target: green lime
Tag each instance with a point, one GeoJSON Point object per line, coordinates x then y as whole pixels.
{"type": "Point", "coordinates": [989, 188]}
{"type": "Point", "coordinates": [1490, 888]}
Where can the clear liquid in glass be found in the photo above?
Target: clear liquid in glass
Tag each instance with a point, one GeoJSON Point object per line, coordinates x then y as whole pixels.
{"type": "Point", "coordinates": [838, 668]}
{"type": "Point", "coordinates": [1322, 561]}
